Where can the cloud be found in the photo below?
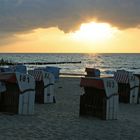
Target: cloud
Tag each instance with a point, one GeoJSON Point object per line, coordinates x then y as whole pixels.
{"type": "Point", "coordinates": [24, 15]}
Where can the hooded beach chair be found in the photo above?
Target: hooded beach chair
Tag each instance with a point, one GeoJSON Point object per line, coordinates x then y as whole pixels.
{"type": "Point", "coordinates": [92, 72]}
{"type": "Point", "coordinates": [19, 68]}
{"type": "Point", "coordinates": [5, 69]}
{"type": "Point", "coordinates": [54, 70]}
{"type": "Point", "coordinates": [100, 98]}
{"type": "Point", "coordinates": [44, 86]}
{"type": "Point", "coordinates": [19, 95]}
{"type": "Point", "coordinates": [128, 86]}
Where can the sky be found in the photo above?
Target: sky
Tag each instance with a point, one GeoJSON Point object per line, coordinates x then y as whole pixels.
{"type": "Point", "coordinates": [69, 26]}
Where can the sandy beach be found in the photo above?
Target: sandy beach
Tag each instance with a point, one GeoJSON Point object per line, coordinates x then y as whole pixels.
{"type": "Point", "coordinates": [61, 121]}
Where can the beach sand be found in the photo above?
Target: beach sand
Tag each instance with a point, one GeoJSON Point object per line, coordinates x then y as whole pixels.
{"type": "Point", "coordinates": [61, 121]}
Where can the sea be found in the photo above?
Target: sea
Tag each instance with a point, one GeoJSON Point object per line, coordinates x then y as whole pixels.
{"type": "Point", "coordinates": [107, 63]}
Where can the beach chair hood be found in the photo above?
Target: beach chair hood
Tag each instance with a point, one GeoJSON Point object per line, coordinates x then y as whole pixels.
{"type": "Point", "coordinates": [24, 81]}
{"type": "Point", "coordinates": [107, 84]}
{"type": "Point", "coordinates": [111, 87]}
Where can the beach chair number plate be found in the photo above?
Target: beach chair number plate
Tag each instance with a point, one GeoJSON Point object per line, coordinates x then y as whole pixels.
{"type": "Point", "coordinates": [46, 75]}
{"type": "Point", "coordinates": [23, 78]}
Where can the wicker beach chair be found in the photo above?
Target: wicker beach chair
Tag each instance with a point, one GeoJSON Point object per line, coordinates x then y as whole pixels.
{"type": "Point", "coordinates": [5, 69]}
{"type": "Point", "coordinates": [19, 95]}
{"type": "Point", "coordinates": [128, 86]}
{"type": "Point", "coordinates": [54, 70]}
{"type": "Point", "coordinates": [100, 98]}
{"type": "Point", "coordinates": [44, 86]}
{"type": "Point", "coordinates": [92, 72]}
{"type": "Point", "coordinates": [19, 68]}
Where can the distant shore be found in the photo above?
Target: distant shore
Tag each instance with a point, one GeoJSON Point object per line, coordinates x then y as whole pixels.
{"type": "Point", "coordinates": [6, 62]}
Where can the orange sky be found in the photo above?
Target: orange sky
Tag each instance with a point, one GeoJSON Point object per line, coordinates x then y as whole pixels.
{"type": "Point", "coordinates": [88, 40]}
{"type": "Point", "coordinates": [74, 26]}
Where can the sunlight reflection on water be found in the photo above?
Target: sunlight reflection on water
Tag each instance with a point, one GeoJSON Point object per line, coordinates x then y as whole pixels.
{"type": "Point", "coordinates": [107, 63]}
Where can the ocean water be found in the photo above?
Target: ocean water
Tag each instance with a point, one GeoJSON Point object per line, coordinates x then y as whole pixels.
{"type": "Point", "coordinates": [107, 63]}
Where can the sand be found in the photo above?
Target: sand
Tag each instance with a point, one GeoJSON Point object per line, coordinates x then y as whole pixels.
{"type": "Point", "coordinates": [61, 121]}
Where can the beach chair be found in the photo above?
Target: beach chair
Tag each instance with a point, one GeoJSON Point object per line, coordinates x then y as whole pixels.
{"type": "Point", "coordinates": [128, 86]}
{"type": "Point", "coordinates": [5, 69]}
{"type": "Point", "coordinates": [100, 98]}
{"type": "Point", "coordinates": [19, 95]}
{"type": "Point", "coordinates": [54, 70]}
{"type": "Point", "coordinates": [92, 72]}
{"type": "Point", "coordinates": [44, 86]}
{"type": "Point", "coordinates": [19, 68]}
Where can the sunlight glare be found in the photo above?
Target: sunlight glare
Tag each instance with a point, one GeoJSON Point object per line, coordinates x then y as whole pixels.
{"type": "Point", "coordinates": [94, 32]}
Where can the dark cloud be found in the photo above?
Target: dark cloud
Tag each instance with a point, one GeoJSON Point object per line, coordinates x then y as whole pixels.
{"type": "Point", "coordinates": [23, 15]}
{"type": "Point", "coordinates": [7, 38]}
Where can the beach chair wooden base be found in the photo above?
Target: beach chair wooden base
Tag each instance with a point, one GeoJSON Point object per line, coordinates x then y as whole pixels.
{"type": "Point", "coordinates": [39, 94]}
{"type": "Point", "coordinates": [124, 93]}
{"type": "Point", "coordinates": [10, 98]}
{"type": "Point", "coordinates": [93, 103]}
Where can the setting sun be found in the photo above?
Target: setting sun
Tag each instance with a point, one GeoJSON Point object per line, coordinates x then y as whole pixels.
{"type": "Point", "coordinates": [94, 32]}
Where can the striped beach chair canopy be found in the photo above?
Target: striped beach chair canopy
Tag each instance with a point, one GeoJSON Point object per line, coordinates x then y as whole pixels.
{"type": "Point", "coordinates": [122, 76]}
{"type": "Point", "coordinates": [37, 74]}
{"type": "Point", "coordinates": [51, 69]}
{"type": "Point", "coordinates": [40, 75]}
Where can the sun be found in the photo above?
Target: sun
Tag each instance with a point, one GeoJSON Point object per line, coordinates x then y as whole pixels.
{"type": "Point", "coordinates": [94, 32]}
